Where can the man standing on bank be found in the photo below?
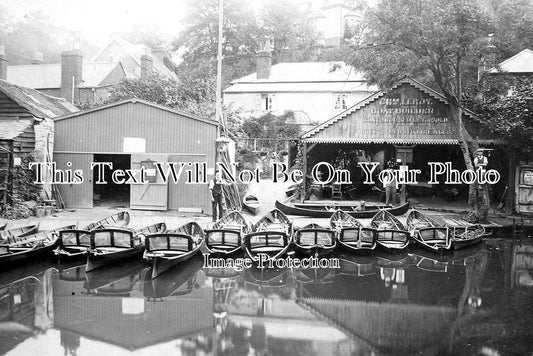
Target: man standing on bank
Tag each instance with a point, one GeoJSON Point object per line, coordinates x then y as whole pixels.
{"type": "Point", "coordinates": [215, 187]}
{"type": "Point", "coordinates": [390, 184]}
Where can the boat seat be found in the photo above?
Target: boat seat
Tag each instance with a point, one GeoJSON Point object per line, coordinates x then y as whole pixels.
{"type": "Point", "coordinates": [267, 248]}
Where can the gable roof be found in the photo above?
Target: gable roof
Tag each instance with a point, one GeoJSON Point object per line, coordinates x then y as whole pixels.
{"type": "Point", "coordinates": [432, 93]}
{"type": "Point", "coordinates": [135, 51]}
{"type": "Point", "coordinates": [134, 101]}
{"type": "Point", "coordinates": [48, 76]}
{"type": "Point", "coordinates": [521, 62]}
{"type": "Point", "coordinates": [36, 103]}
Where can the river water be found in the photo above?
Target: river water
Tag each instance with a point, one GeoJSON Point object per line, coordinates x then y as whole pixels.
{"type": "Point", "coordinates": [476, 302]}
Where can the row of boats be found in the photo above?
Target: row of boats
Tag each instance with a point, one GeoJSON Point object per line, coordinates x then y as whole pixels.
{"type": "Point", "coordinates": [109, 240]}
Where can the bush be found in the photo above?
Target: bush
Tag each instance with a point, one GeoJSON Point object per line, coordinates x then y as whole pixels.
{"type": "Point", "coordinates": [17, 210]}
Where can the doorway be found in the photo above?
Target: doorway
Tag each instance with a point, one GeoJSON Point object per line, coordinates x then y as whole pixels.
{"type": "Point", "coordinates": [111, 194]}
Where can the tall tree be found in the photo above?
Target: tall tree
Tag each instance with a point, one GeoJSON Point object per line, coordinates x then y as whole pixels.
{"type": "Point", "coordinates": [436, 41]}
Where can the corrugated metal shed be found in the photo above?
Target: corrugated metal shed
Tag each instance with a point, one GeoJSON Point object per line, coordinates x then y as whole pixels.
{"type": "Point", "coordinates": [158, 133]}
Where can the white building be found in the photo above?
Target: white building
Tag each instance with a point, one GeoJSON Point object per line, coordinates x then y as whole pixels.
{"type": "Point", "coordinates": [315, 91]}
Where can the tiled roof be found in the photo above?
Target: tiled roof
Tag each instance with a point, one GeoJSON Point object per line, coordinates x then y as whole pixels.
{"type": "Point", "coordinates": [519, 63]}
{"type": "Point", "coordinates": [36, 103]}
{"type": "Point", "coordinates": [11, 128]}
{"type": "Point", "coordinates": [47, 76]}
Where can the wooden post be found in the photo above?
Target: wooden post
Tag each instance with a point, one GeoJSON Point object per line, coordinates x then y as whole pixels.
{"type": "Point", "coordinates": [304, 157]}
{"type": "Point", "coordinates": [510, 199]}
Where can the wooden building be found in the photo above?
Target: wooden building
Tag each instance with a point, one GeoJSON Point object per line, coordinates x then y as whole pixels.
{"type": "Point", "coordinates": [408, 124]}
{"type": "Point", "coordinates": [26, 130]}
{"type": "Point", "coordinates": [132, 134]}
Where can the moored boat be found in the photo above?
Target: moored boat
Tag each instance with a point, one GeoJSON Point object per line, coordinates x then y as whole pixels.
{"type": "Point", "coordinates": [226, 235]}
{"type": "Point", "coordinates": [341, 219]}
{"type": "Point", "coordinates": [3, 226]}
{"type": "Point", "coordinates": [251, 203]}
{"type": "Point", "coordinates": [292, 189]}
{"type": "Point", "coordinates": [391, 234]}
{"type": "Point", "coordinates": [165, 250]}
{"type": "Point", "coordinates": [111, 245]}
{"type": "Point", "coordinates": [12, 235]}
{"type": "Point", "coordinates": [314, 240]}
{"type": "Point", "coordinates": [428, 233]}
{"type": "Point", "coordinates": [270, 237]}
{"type": "Point", "coordinates": [467, 236]}
{"type": "Point", "coordinates": [319, 210]}
{"type": "Point", "coordinates": [74, 243]}
{"type": "Point", "coordinates": [30, 246]}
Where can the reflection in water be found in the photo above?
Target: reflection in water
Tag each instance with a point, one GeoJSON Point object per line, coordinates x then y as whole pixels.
{"type": "Point", "coordinates": [419, 303]}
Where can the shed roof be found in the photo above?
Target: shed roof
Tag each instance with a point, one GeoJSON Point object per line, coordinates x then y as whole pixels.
{"type": "Point", "coordinates": [47, 76]}
{"type": "Point", "coordinates": [521, 62]}
{"type": "Point", "coordinates": [135, 101]}
{"type": "Point", "coordinates": [36, 103]}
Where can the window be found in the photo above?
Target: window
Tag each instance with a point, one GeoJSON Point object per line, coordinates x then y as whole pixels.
{"type": "Point", "coordinates": [266, 101]}
{"type": "Point", "coordinates": [339, 101]}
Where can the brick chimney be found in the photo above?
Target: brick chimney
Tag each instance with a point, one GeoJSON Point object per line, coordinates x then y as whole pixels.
{"type": "Point", "coordinates": [160, 53]}
{"type": "Point", "coordinates": [264, 61]}
{"type": "Point", "coordinates": [37, 58]}
{"type": "Point", "coordinates": [147, 65]}
{"type": "Point", "coordinates": [3, 63]}
{"type": "Point", "coordinates": [71, 74]}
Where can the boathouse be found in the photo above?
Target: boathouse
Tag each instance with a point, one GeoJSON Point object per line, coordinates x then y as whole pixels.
{"type": "Point", "coordinates": [134, 134]}
{"type": "Point", "coordinates": [408, 124]}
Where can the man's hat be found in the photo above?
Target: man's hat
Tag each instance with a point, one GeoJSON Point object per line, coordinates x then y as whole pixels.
{"type": "Point", "coordinates": [479, 150]}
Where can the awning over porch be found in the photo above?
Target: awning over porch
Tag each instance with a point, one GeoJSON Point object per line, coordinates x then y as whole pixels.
{"type": "Point", "coordinates": [407, 113]}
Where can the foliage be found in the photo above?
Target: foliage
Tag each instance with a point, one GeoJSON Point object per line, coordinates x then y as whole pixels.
{"type": "Point", "coordinates": [22, 178]}
{"type": "Point", "coordinates": [509, 112]}
{"type": "Point", "coordinates": [271, 126]}
{"type": "Point", "coordinates": [188, 95]}
{"type": "Point", "coordinates": [34, 32]}
{"type": "Point", "coordinates": [16, 210]}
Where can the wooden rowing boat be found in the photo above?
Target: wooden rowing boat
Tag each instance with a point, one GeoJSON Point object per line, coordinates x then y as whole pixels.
{"type": "Point", "coordinates": [165, 250]}
{"type": "Point", "coordinates": [12, 235]}
{"type": "Point", "coordinates": [467, 236]}
{"type": "Point", "coordinates": [226, 235]}
{"type": "Point", "coordinates": [351, 234]}
{"type": "Point", "coordinates": [251, 203]}
{"type": "Point", "coordinates": [118, 220]}
{"type": "Point", "coordinates": [391, 234]}
{"type": "Point", "coordinates": [3, 226]}
{"type": "Point", "coordinates": [111, 245]}
{"type": "Point", "coordinates": [292, 189]}
{"type": "Point", "coordinates": [270, 237]}
{"type": "Point", "coordinates": [74, 243]}
{"type": "Point", "coordinates": [314, 240]}
{"type": "Point", "coordinates": [341, 219]}
{"type": "Point", "coordinates": [325, 211]}
{"type": "Point", "coordinates": [428, 233]}
{"type": "Point", "coordinates": [30, 247]}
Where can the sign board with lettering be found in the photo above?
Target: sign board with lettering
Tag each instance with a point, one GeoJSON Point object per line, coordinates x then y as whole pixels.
{"type": "Point", "coordinates": [407, 114]}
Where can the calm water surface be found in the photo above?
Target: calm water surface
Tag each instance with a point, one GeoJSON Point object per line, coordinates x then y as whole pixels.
{"type": "Point", "coordinates": [476, 302]}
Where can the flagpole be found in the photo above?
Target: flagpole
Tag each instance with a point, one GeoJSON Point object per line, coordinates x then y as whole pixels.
{"type": "Point", "coordinates": [218, 105]}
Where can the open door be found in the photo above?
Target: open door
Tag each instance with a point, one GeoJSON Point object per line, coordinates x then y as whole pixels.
{"type": "Point", "coordinates": [154, 194]}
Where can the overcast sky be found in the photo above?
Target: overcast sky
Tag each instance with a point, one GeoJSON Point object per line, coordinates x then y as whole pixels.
{"type": "Point", "coordinates": [98, 19]}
